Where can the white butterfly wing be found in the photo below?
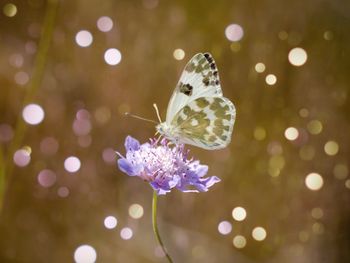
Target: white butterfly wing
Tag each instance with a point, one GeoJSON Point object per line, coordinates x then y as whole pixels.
{"type": "Point", "coordinates": [206, 122]}
{"type": "Point", "coordinates": [200, 78]}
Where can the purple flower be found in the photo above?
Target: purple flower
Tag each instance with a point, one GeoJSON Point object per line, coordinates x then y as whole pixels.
{"type": "Point", "coordinates": [164, 167]}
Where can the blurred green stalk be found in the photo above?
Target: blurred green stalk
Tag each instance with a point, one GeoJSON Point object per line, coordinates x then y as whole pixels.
{"type": "Point", "coordinates": [6, 165]}
{"type": "Point", "coordinates": [155, 226]}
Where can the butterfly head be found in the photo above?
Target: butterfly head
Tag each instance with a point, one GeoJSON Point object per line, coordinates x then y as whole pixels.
{"type": "Point", "coordinates": [166, 130]}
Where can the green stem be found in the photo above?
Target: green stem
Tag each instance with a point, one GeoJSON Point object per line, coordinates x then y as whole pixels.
{"type": "Point", "coordinates": [37, 76]}
{"type": "Point", "coordinates": [155, 226]}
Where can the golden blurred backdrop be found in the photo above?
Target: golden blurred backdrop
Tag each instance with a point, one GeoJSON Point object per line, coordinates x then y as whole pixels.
{"type": "Point", "coordinates": [71, 69]}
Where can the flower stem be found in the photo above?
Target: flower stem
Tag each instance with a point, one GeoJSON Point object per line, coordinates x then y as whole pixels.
{"type": "Point", "coordinates": [155, 226]}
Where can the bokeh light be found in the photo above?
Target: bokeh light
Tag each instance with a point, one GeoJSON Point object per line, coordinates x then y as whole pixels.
{"type": "Point", "coordinates": [239, 213]}
{"type": "Point", "coordinates": [85, 254]}
{"type": "Point", "coordinates": [136, 211]}
{"type": "Point", "coordinates": [30, 47]}
{"type": "Point", "coordinates": [270, 79]}
{"type": "Point", "coordinates": [314, 181]}
{"type": "Point", "coordinates": [21, 78]}
{"type": "Point", "coordinates": [82, 126]}
{"type": "Point", "coordinates": [260, 67]}
{"type": "Point", "coordinates": [259, 233]}
{"type": "Point", "coordinates": [21, 157]}
{"type": "Point", "coordinates": [297, 56]}
{"type": "Point", "coordinates": [315, 127]}
{"type": "Point", "coordinates": [331, 148]}
{"type": "Point", "coordinates": [291, 133]}
{"type": "Point", "coordinates": [347, 183]}
{"type": "Point", "coordinates": [150, 4]}
{"type": "Point", "coordinates": [109, 156]}
{"type": "Point", "coordinates": [126, 233]}
{"type": "Point", "coordinates": [105, 24]}
{"type": "Point", "coordinates": [317, 213]}
{"type": "Point", "coordinates": [225, 227]}
{"type": "Point", "coordinates": [239, 241]}
{"type": "Point", "coordinates": [234, 32]}
{"type": "Point", "coordinates": [304, 113]}
{"type": "Point", "coordinates": [63, 191]}
{"type": "Point", "coordinates": [83, 38]}
{"type": "Point", "coordinates": [72, 164]}
{"type": "Point", "coordinates": [33, 114]}
{"type": "Point", "coordinates": [259, 133]}
{"type": "Point", "coordinates": [46, 178]}
{"type": "Point", "coordinates": [112, 56]}
{"type": "Point", "coordinates": [283, 35]}
{"type": "Point", "coordinates": [235, 46]}
{"type": "Point", "coordinates": [16, 60]}
{"type": "Point", "coordinates": [9, 10]}
{"type": "Point", "coordinates": [110, 222]}
{"type": "Point", "coordinates": [102, 115]}
{"type": "Point", "coordinates": [179, 54]}
{"type": "Point", "coordinates": [328, 35]}
{"type": "Point", "coordinates": [340, 171]}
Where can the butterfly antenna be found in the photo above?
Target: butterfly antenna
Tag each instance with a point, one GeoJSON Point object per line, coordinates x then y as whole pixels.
{"type": "Point", "coordinates": [138, 117]}
{"type": "Point", "coordinates": [157, 111]}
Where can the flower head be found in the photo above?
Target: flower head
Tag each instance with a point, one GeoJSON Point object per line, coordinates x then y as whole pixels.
{"type": "Point", "coordinates": [164, 167]}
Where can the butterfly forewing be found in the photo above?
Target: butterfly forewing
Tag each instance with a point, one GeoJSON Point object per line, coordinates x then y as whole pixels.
{"type": "Point", "coordinates": [206, 122]}
{"type": "Point", "coordinates": [200, 78]}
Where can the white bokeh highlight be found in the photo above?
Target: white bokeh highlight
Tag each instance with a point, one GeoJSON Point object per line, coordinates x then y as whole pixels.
{"type": "Point", "coordinates": [83, 38]}
{"type": "Point", "coordinates": [33, 114]}
{"type": "Point", "coordinates": [110, 222]}
{"type": "Point", "coordinates": [291, 133]}
{"type": "Point", "coordinates": [105, 23]}
{"type": "Point", "coordinates": [85, 254]}
{"type": "Point", "coordinates": [126, 233]}
{"type": "Point", "coordinates": [46, 178]}
{"type": "Point", "coordinates": [21, 158]}
{"type": "Point", "coordinates": [234, 32]}
{"type": "Point", "coordinates": [72, 164]}
{"type": "Point", "coordinates": [112, 56]}
{"type": "Point", "coordinates": [314, 181]}
{"type": "Point", "coordinates": [136, 211]}
{"type": "Point", "coordinates": [259, 233]}
{"type": "Point", "coordinates": [239, 213]}
{"type": "Point", "coordinates": [270, 79]}
{"type": "Point", "coordinates": [225, 227]}
{"type": "Point", "coordinates": [179, 54]}
{"type": "Point", "coordinates": [297, 57]}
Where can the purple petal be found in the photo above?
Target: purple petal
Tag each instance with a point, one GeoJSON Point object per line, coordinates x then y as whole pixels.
{"type": "Point", "coordinates": [201, 187]}
{"type": "Point", "coordinates": [211, 181]}
{"type": "Point", "coordinates": [172, 183]}
{"type": "Point", "coordinates": [201, 170]}
{"type": "Point", "coordinates": [189, 190]}
{"type": "Point", "coordinates": [131, 144]}
{"type": "Point", "coordinates": [126, 167]}
{"type": "Point", "coordinates": [160, 190]}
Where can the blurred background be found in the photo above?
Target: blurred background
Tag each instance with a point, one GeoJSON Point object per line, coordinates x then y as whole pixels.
{"type": "Point", "coordinates": [69, 71]}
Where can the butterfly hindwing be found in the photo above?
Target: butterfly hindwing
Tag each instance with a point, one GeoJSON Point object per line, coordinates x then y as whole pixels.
{"type": "Point", "coordinates": [206, 122]}
{"type": "Point", "coordinates": [200, 78]}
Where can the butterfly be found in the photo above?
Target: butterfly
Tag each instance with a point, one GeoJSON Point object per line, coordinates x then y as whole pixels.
{"type": "Point", "coordinates": [198, 114]}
